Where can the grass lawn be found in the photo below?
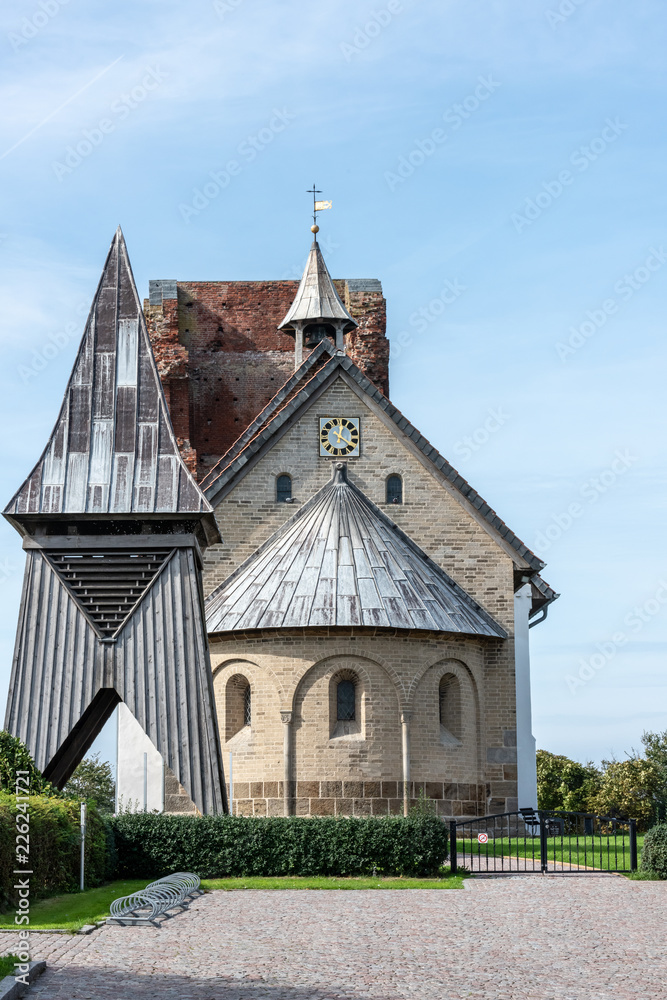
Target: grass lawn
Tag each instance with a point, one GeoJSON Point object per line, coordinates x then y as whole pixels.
{"type": "Point", "coordinates": [7, 963]}
{"type": "Point", "coordinates": [322, 882]}
{"type": "Point", "coordinates": [591, 852]}
{"type": "Point", "coordinates": [70, 912]}
{"type": "Point", "coordinates": [73, 910]}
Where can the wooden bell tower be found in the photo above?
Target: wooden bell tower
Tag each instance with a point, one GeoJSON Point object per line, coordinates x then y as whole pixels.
{"type": "Point", "coordinates": [114, 527]}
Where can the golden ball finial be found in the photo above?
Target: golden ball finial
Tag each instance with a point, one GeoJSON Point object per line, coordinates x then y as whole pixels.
{"type": "Point", "coordinates": [314, 229]}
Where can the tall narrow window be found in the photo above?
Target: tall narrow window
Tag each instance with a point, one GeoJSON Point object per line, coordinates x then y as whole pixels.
{"type": "Point", "coordinates": [450, 706]}
{"type": "Point", "coordinates": [237, 706]}
{"type": "Point", "coordinates": [345, 701]}
{"type": "Point", "coordinates": [284, 489]}
{"type": "Point", "coordinates": [394, 489]}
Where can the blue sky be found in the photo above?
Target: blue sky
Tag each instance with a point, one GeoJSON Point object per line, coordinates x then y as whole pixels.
{"type": "Point", "coordinates": [512, 151]}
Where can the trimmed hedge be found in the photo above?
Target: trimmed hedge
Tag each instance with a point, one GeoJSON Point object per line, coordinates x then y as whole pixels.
{"type": "Point", "coordinates": [654, 851]}
{"type": "Point", "coordinates": [54, 847]}
{"type": "Point", "coordinates": [151, 845]}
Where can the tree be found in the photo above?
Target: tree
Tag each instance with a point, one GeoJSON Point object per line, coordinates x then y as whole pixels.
{"type": "Point", "coordinates": [629, 790]}
{"type": "Point", "coordinates": [93, 779]}
{"type": "Point", "coordinates": [565, 784]}
{"type": "Point", "coordinates": [14, 756]}
{"type": "Point", "coordinates": [655, 751]}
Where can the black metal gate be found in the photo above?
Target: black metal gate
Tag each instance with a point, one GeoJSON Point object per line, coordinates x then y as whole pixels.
{"type": "Point", "coordinates": [543, 841]}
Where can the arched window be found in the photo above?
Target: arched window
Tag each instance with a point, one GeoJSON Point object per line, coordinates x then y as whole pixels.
{"type": "Point", "coordinates": [450, 706]}
{"type": "Point", "coordinates": [238, 701]}
{"type": "Point", "coordinates": [284, 489]}
{"type": "Point", "coordinates": [394, 489]}
{"type": "Point", "coordinates": [345, 701]}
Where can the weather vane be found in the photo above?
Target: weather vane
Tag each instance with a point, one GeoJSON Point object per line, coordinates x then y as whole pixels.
{"type": "Point", "coordinates": [318, 206]}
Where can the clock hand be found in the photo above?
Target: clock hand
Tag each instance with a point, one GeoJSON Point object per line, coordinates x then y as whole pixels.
{"type": "Point", "coordinates": [340, 435]}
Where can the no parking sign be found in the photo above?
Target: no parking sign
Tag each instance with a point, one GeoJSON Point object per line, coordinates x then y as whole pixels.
{"type": "Point", "coordinates": [482, 838]}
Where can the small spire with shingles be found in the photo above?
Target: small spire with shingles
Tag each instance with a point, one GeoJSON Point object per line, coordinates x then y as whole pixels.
{"type": "Point", "coordinates": [316, 298]}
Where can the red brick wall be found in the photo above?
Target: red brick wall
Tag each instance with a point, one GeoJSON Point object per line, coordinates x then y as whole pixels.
{"type": "Point", "coordinates": [221, 357]}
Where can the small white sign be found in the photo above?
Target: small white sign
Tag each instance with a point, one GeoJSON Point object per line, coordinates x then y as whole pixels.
{"type": "Point", "coordinates": [482, 838]}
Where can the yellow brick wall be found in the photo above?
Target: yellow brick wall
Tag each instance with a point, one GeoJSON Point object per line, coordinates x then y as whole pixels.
{"type": "Point", "coordinates": [361, 773]}
{"type": "Point", "coordinates": [429, 513]}
{"type": "Point", "coordinates": [294, 671]}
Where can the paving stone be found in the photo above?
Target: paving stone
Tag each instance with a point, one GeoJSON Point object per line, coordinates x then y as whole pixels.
{"type": "Point", "coordinates": [533, 937]}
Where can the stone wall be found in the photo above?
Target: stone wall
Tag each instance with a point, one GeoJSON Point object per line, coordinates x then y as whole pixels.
{"type": "Point", "coordinates": [221, 357]}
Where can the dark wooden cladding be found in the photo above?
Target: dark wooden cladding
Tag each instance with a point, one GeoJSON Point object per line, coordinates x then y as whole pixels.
{"type": "Point", "coordinates": [149, 409]}
{"type": "Point", "coordinates": [79, 418]}
{"type": "Point", "coordinates": [105, 308]}
{"type": "Point", "coordinates": [126, 410]}
{"type": "Point", "coordinates": [340, 561]}
{"type": "Point", "coordinates": [114, 423]}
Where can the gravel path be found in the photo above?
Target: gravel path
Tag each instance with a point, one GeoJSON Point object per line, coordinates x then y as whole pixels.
{"type": "Point", "coordinates": [581, 937]}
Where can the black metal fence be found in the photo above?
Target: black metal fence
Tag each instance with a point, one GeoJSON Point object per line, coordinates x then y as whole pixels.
{"type": "Point", "coordinates": [543, 841]}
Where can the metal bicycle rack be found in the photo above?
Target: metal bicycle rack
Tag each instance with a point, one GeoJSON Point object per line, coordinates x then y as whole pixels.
{"type": "Point", "coordinates": [171, 893]}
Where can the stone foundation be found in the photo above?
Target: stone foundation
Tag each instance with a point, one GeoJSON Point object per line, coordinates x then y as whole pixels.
{"type": "Point", "coordinates": [357, 798]}
{"type": "Point", "coordinates": [176, 799]}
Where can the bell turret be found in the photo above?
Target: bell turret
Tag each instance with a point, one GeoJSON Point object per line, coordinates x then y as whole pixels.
{"type": "Point", "coordinates": [317, 312]}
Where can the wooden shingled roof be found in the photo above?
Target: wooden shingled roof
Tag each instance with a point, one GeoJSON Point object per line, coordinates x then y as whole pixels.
{"type": "Point", "coordinates": [316, 297]}
{"type": "Point", "coordinates": [113, 450]}
{"type": "Point", "coordinates": [341, 561]}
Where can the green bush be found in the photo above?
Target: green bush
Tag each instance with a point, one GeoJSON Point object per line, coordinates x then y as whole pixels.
{"type": "Point", "coordinates": [54, 856]}
{"type": "Point", "coordinates": [654, 852]}
{"type": "Point", "coordinates": [151, 845]}
{"type": "Point", "coordinates": [14, 757]}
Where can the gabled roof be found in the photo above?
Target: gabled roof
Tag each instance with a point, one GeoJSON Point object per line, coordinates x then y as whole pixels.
{"type": "Point", "coordinates": [341, 561]}
{"type": "Point", "coordinates": [316, 297]}
{"type": "Point", "coordinates": [112, 450]}
{"type": "Point", "coordinates": [287, 405]}
{"type": "Point", "coordinates": [542, 594]}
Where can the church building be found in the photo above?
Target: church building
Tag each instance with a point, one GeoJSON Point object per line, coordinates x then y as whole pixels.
{"type": "Point", "coordinates": [367, 611]}
{"type": "Point", "coordinates": [228, 462]}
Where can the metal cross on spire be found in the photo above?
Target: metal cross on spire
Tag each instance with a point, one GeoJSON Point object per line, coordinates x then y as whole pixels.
{"type": "Point", "coordinates": [318, 206]}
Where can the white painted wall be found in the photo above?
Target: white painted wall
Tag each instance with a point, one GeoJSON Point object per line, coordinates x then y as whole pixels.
{"type": "Point", "coordinates": [131, 791]}
{"type": "Point", "coordinates": [526, 762]}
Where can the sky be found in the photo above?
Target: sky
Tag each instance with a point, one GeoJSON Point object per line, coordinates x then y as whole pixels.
{"type": "Point", "coordinates": [499, 166]}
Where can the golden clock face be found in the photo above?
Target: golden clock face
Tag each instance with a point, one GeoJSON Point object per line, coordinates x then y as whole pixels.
{"type": "Point", "coordinates": [339, 436]}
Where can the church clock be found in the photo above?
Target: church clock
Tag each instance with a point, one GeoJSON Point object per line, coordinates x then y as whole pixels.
{"type": "Point", "coordinates": [339, 436]}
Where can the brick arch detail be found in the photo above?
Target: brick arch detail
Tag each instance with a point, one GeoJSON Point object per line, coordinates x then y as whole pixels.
{"type": "Point", "coordinates": [241, 660]}
{"type": "Point", "coordinates": [443, 656]}
{"type": "Point", "coordinates": [454, 665]}
{"type": "Point", "coordinates": [359, 655]}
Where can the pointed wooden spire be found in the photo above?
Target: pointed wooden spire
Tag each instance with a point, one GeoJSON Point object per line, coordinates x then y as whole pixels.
{"type": "Point", "coordinates": [316, 298]}
{"type": "Point", "coordinates": [113, 449]}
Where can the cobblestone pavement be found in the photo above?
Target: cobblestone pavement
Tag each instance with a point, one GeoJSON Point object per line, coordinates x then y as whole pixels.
{"type": "Point", "coordinates": [581, 937]}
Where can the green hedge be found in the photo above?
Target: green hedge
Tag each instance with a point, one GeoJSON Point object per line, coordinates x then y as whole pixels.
{"type": "Point", "coordinates": [54, 847]}
{"type": "Point", "coordinates": [150, 845]}
{"type": "Point", "coordinates": [654, 851]}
